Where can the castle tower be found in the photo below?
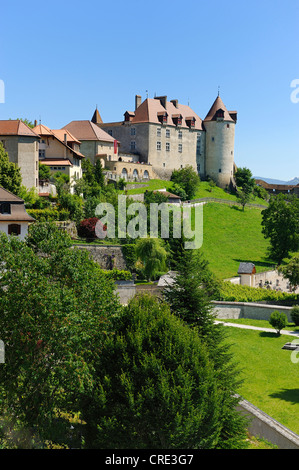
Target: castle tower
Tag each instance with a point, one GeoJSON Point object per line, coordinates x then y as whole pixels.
{"type": "Point", "coordinates": [220, 139]}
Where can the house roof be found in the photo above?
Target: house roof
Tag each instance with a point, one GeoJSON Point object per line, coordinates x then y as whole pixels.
{"type": "Point", "coordinates": [218, 105]}
{"type": "Point", "coordinates": [87, 130]}
{"type": "Point", "coordinates": [17, 209]}
{"type": "Point", "coordinates": [151, 108]}
{"type": "Point", "coordinates": [60, 133]}
{"type": "Point", "coordinates": [246, 268]}
{"type": "Point", "coordinates": [56, 162]}
{"type": "Point", "coordinates": [7, 196]}
{"type": "Point", "coordinates": [277, 187]}
{"type": "Point", "coordinates": [167, 194]}
{"type": "Point", "coordinates": [16, 127]}
{"type": "Point", "coordinates": [45, 131]}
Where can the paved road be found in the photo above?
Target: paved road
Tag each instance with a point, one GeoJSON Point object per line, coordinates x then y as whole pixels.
{"type": "Point", "coordinates": [270, 330]}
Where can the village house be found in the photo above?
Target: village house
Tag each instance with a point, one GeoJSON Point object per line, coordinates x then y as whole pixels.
{"type": "Point", "coordinates": [22, 145]}
{"type": "Point", "coordinates": [60, 151]}
{"type": "Point", "coordinates": [14, 219]}
{"type": "Point", "coordinates": [95, 143]}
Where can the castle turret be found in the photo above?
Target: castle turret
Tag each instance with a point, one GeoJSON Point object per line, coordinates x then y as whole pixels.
{"type": "Point", "coordinates": [220, 140]}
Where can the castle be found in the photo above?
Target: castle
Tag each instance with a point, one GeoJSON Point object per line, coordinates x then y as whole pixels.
{"type": "Point", "coordinates": [166, 135]}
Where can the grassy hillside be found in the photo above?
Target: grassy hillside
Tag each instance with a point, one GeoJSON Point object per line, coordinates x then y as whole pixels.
{"type": "Point", "coordinates": [231, 236]}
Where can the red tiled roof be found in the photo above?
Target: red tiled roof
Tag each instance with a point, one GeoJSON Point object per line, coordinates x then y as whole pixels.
{"type": "Point", "coordinates": [56, 162]}
{"type": "Point", "coordinates": [87, 130]}
{"type": "Point", "coordinates": [149, 110]}
{"type": "Point", "coordinates": [16, 127]}
{"type": "Point", "coordinates": [45, 131]}
{"type": "Point", "coordinates": [218, 105]}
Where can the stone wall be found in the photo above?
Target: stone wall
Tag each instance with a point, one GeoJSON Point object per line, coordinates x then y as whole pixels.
{"type": "Point", "coordinates": [235, 310]}
{"type": "Point", "coordinates": [108, 257]}
{"type": "Point", "coordinates": [263, 426]}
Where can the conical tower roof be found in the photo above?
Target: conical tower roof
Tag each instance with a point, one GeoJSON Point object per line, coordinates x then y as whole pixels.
{"type": "Point", "coordinates": [96, 118]}
{"type": "Point", "coordinates": [217, 106]}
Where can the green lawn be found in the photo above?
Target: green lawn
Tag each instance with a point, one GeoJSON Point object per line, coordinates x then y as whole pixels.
{"type": "Point", "coordinates": [260, 323]}
{"type": "Point", "coordinates": [218, 193]}
{"type": "Point", "coordinates": [153, 185]}
{"type": "Point", "coordinates": [270, 376]}
{"type": "Point", "coordinates": [231, 236]}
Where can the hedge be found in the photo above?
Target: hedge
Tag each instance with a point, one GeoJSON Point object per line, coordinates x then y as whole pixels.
{"type": "Point", "coordinates": [236, 293]}
{"type": "Point", "coordinates": [49, 215]}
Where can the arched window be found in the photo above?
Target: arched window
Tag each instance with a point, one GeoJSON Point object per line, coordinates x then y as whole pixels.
{"type": "Point", "coordinates": [145, 175]}
{"type": "Point", "coordinates": [135, 173]}
{"type": "Point", "coordinates": [124, 173]}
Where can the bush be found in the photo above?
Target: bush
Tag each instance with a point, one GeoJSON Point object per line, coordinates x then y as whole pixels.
{"type": "Point", "coordinates": [49, 215]}
{"type": "Point", "coordinates": [295, 314]}
{"type": "Point", "coordinates": [87, 228]}
{"type": "Point", "coordinates": [278, 320]}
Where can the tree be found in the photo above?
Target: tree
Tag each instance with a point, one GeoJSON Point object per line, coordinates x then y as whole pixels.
{"type": "Point", "coordinates": [280, 223]}
{"type": "Point", "coordinates": [10, 174]}
{"type": "Point", "coordinates": [152, 254]}
{"type": "Point", "coordinates": [295, 314]}
{"type": "Point", "coordinates": [55, 313]}
{"type": "Point", "coordinates": [188, 295]}
{"type": "Point", "coordinates": [243, 197]}
{"type": "Point", "coordinates": [278, 320]}
{"type": "Point", "coordinates": [157, 387]}
{"type": "Point", "coordinates": [291, 272]}
{"type": "Point", "coordinates": [244, 180]}
{"type": "Point", "coordinates": [44, 172]}
{"type": "Point", "coordinates": [98, 174]}
{"type": "Point", "coordinates": [179, 191]}
{"type": "Point", "coordinates": [188, 179]}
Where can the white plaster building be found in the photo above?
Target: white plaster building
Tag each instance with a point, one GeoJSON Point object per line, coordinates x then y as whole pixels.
{"type": "Point", "coordinates": [14, 219]}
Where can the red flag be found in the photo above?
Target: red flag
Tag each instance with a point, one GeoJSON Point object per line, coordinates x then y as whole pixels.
{"type": "Point", "coordinates": [115, 146]}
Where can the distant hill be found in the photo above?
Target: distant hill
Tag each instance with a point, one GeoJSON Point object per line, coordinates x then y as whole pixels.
{"type": "Point", "coordinates": [294, 181]}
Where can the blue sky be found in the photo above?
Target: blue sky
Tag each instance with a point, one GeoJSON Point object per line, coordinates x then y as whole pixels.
{"type": "Point", "coordinates": [61, 59]}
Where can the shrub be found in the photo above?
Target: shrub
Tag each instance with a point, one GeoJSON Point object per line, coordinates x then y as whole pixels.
{"type": "Point", "coordinates": [278, 320]}
{"type": "Point", "coordinates": [87, 228]}
{"type": "Point", "coordinates": [295, 314]}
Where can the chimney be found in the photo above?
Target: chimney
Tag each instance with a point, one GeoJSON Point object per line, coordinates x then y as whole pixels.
{"type": "Point", "coordinates": [137, 101]}
{"type": "Point", "coordinates": [35, 123]}
{"type": "Point", "coordinates": [65, 139]}
{"type": "Point", "coordinates": [175, 103]}
{"type": "Point", "coordinates": [162, 99]}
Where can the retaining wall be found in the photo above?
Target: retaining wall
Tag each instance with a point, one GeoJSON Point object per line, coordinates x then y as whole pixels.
{"type": "Point", "coordinates": [263, 426]}
{"type": "Point", "coordinates": [235, 310]}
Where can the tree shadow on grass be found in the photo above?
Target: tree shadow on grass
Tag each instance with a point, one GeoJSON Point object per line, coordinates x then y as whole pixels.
{"type": "Point", "coordinates": [289, 395]}
{"type": "Point", "coordinates": [269, 334]}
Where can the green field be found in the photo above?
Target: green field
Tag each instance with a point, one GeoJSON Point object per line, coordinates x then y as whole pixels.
{"type": "Point", "coordinates": [270, 377]}
{"type": "Point", "coordinates": [231, 236]}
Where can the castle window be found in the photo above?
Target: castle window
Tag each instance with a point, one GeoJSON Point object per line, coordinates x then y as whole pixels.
{"type": "Point", "coordinates": [167, 147]}
{"type": "Point", "coordinates": [190, 121]}
{"type": "Point", "coordinates": [219, 170]}
{"type": "Point", "coordinates": [158, 132]}
{"type": "Point", "coordinates": [180, 135]}
{"type": "Point", "coordinates": [109, 132]}
{"type": "Point", "coordinates": [227, 125]}
{"type": "Point", "coordinates": [167, 133]}
{"type": "Point", "coordinates": [133, 131]}
{"type": "Point", "coordinates": [133, 145]}
{"type": "Point", "coordinates": [162, 116]}
{"type": "Point", "coordinates": [158, 145]}
{"type": "Point", "coordinates": [180, 148]}
{"type": "Point", "coordinates": [213, 139]}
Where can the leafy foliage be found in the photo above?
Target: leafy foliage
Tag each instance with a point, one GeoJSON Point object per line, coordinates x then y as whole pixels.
{"type": "Point", "coordinates": [278, 320]}
{"type": "Point", "coordinates": [152, 254]}
{"type": "Point", "coordinates": [10, 174]}
{"type": "Point", "coordinates": [188, 179]}
{"type": "Point", "coordinates": [55, 313]}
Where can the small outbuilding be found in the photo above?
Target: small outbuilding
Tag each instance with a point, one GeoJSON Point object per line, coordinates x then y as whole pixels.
{"type": "Point", "coordinates": [247, 273]}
